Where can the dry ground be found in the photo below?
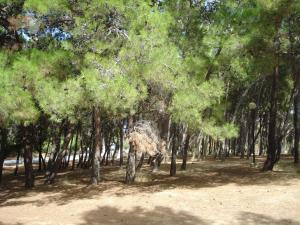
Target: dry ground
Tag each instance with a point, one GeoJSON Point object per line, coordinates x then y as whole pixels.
{"type": "Point", "coordinates": [209, 192]}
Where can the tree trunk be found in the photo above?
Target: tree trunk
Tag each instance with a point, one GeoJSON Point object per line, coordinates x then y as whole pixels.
{"type": "Point", "coordinates": [80, 161]}
{"type": "Point", "coordinates": [253, 117]}
{"type": "Point", "coordinates": [27, 140]}
{"type": "Point", "coordinates": [3, 147]}
{"type": "Point", "coordinates": [261, 135]}
{"type": "Point", "coordinates": [185, 151]}
{"type": "Point", "coordinates": [55, 166]}
{"type": "Point", "coordinates": [95, 179]}
{"type": "Point", "coordinates": [272, 143]}
{"type": "Point", "coordinates": [297, 121]}
{"type": "Point", "coordinates": [56, 140]}
{"type": "Point", "coordinates": [70, 151]}
{"type": "Point", "coordinates": [121, 143]}
{"type": "Point", "coordinates": [117, 146]}
{"type": "Point", "coordinates": [41, 159]}
{"type": "Point", "coordinates": [242, 139]}
{"type": "Point", "coordinates": [108, 144]}
{"type": "Point", "coordinates": [76, 147]}
{"type": "Point", "coordinates": [17, 163]}
{"type": "Point", "coordinates": [174, 151]}
{"type": "Point", "coordinates": [139, 166]}
{"type": "Point", "coordinates": [130, 169]}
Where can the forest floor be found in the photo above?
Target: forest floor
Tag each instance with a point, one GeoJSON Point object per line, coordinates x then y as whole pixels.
{"type": "Point", "coordinates": [209, 192]}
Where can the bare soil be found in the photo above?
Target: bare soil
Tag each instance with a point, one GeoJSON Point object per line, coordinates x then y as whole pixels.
{"type": "Point", "coordinates": [209, 192]}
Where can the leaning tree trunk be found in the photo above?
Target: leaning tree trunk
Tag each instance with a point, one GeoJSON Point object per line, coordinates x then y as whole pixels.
{"type": "Point", "coordinates": [27, 143]}
{"type": "Point", "coordinates": [140, 164]}
{"type": "Point", "coordinates": [55, 166]}
{"type": "Point", "coordinates": [95, 178]}
{"type": "Point", "coordinates": [156, 162]}
{"type": "Point", "coordinates": [272, 143]}
{"type": "Point", "coordinates": [163, 125]}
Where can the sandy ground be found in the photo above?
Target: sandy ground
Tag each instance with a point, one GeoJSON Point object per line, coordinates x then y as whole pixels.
{"type": "Point", "coordinates": [207, 193]}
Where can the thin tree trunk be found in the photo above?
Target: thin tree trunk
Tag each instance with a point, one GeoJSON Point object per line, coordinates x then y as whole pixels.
{"type": "Point", "coordinates": [17, 163]}
{"type": "Point", "coordinates": [54, 168]}
{"type": "Point", "coordinates": [3, 147]}
{"type": "Point", "coordinates": [261, 135]}
{"type": "Point", "coordinates": [76, 147]}
{"type": "Point", "coordinates": [174, 151]}
{"type": "Point", "coordinates": [297, 121]}
{"type": "Point", "coordinates": [140, 164]}
{"type": "Point", "coordinates": [253, 117]}
{"type": "Point", "coordinates": [185, 151]}
{"type": "Point", "coordinates": [272, 143]}
{"type": "Point", "coordinates": [130, 169]}
{"type": "Point", "coordinates": [121, 143]}
{"type": "Point", "coordinates": [80, 161]}
{"type": "Point", "coordinates": [108, 149]}
{"type": "Point", "coordinates": [117, 146]}
{"type": "Point", "coordinates": [95, 178]}
{"type": "Point", "coordinates": [70, 151]}
{"type": "Point", "coordinates": [27, 140]}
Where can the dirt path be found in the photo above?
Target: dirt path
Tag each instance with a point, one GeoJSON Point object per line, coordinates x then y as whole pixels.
{"type": "Point", "coordinates": [208, 193]}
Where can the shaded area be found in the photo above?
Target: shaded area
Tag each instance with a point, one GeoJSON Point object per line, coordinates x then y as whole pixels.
{"type": "Point", "coordinates": [139, 216]}
{"type": "Point", "coordinates": [72, 185]}
{"type": "Point", "coordinates": [108, 215]}
{"type": "Point", "coordinates": [248, 218]}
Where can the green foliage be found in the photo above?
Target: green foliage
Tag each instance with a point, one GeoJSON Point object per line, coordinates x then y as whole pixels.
{"type": "Point", "coordinates": [217, 132]}
{"type": "Point", "coordinates": [46, 6]}
{"type": "Point", "coordinates": [113, 93]}
{"type": "Point", "coordinates": [191, 100]}
{"type": "Point", "coordinates": [123, 55]}
{"type": "Point", "coordinates": [16, 102]}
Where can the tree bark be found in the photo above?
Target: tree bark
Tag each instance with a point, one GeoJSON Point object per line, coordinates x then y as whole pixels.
{"type": "Point", "coordinates": [117, 148]}
{"type": "Point", "coordinates": [272, 143]}
{"type": "Point", "coordinates": [3, 147]}
{"type": "Point", "coordinates": [41, 160]}
{"type": "Point", "coordinates": [253, 117]}
{"type": "Point", "coordinates": [27, 143]}
{"type": "Point", "coordinates": [95, 178]}
{"type": "Point", "coordinates": [76, 147]}
{"type": "Point", "coordinates": [185, 151]}
{"type": "Point", "coordinates": [296, 119]}
{"type": "Point", "coordinates": [140, 164]}
{"type": "Point", "coordinates": [55, 166]}
{"type": "Point", "coordinates": [17, 162]}
{"type": "Point", "coordinates": [121, 143]}
{"type": "Point", "coordinates": [174, 151]}
{"type": "Point", "coordinates": [130, 169]}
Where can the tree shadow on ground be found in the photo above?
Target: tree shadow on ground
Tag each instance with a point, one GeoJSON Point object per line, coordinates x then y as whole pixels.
{"type": "Point", "coordinates": [138, 216]}
{"type": "Point", "coordinates": [73, 185]}
{"type": "Point", "coordinates": [164, 215]}
{"type": "Point", "coordinates": [108, 215]}
{"type": "Point", "coordinates": [248, 218]}
{"type": "Point", "coordinates": [167, 216]}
